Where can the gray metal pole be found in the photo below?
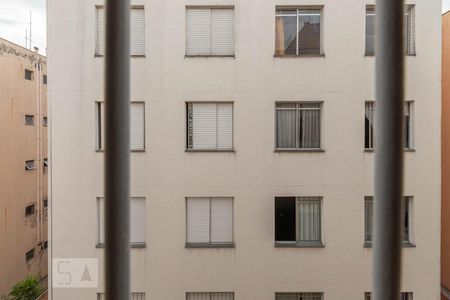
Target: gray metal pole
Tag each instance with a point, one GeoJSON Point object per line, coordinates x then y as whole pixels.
{"type": "Point", "coordinates": [389, 149]}
{"type": "Point", "coordinates": [117, 145]}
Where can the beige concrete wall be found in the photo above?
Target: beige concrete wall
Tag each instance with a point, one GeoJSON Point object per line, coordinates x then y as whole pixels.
{"type": "Point", "coordinates": [165, 174]}
{"type": "Point", "coordinates": [19, 142]}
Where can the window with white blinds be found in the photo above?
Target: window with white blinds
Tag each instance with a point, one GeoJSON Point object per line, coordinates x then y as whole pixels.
{"type": "Point", "coordinates": [137, 221]}
{"type": "Point", "coordinates": [134, 296]}
{"type": "Point", "coordinates": [210, 296]}
{"type": "Point", "coordinates": [298, 220]}
{"type": "Point", "coordinates": [369, 125]}
{"type": "Point", "coordinates": [137, 126]}
{"type": "Point", "coordinates": [209, 221]}
{"type": "Point", "coordinates": [209, 31]}
{"type": "Point", "coordinates": [407, 220]}
{"type": "Point", "coordinates": [298, 296]}
{"type": "Point", "coordinates": [210, 126]}
{"type": "Point", "coordinates": [137, 31]}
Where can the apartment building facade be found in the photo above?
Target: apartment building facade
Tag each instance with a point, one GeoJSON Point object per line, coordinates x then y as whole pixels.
{"type": "Point", "coordinates": [24, 164]}
{"type": "Point", "coordinates": [252, 147]}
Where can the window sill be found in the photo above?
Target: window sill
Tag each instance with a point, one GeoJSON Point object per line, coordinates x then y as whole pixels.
{"type": "Point", "coordinates": [299, 56]}
{"type": "Point", "coordinates": [210, 56]}
{"type": "Point", "coordinates": [133, 150]}
{"type": "Point", "coordinates": [208, 245]}
{"type": "Point", "coordinates": [134, 245]}
{"type": "Point", "coordinates": [404, 245]}
{"type": "Point", "coordinates": [135, 55]}
{"type": "Point", "coordinates": [210, 150]}
{"type": "Point", "coordinates": [301, 150]}
{"type": "Point", "coordinates": [299, 245]}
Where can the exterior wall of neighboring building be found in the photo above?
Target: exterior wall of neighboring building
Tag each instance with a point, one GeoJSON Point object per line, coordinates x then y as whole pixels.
{"type": "Point", "coordinates": [20, 142]}
{"type": "Point", "coordinates": [254, 174]}
{"type": "Point", "coordinates": [445, 233]}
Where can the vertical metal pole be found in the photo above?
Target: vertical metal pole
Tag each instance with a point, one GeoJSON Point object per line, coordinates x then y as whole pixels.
{"type": "Point", "coordinates": [117, 161]}
{"type": "Point", "coordinates": [389, 149]}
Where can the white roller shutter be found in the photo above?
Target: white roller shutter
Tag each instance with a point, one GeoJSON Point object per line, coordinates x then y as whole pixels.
{"type": "Point", "coordinates": [198, 220]}
{"type": "Point", "coordinates": [137, 31]}
{"type": "Point", "coordinates": [221, 220]}
{"type": "Point", "coordinates": [100, 220]}
{"type": "Point", "coordinates": [137, 220]}
{"type": "Point", "coordinates": [204, 125]}
{"type": "Point", "coordinates": [198, 31]}
{"type": "Point", "coordinates": [222, 31]}
{"type": "Point", "coordinates": [225, 126]}
{"type": "Point", "coordinates": [137, 126]}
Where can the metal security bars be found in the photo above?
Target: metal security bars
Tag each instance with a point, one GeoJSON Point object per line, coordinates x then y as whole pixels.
{"type": "Point", "coordinates": [134, 296]}
{"type": "Point", "coordinates": [298, 125]}
{"type": "Point", "coordinates": [403, 296]}
{"type": "Point", "coordinates": [298, 31]}
{"type": "Point", "coordinates": [210, 296]}
{"type": "Point", "coordinates": [298, 296]}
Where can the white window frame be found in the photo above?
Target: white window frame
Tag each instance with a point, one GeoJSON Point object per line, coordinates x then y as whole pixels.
{"type": "Point", "coordinates": [300, 295]}
{"type": "Point", "coordinates": [209, 295]}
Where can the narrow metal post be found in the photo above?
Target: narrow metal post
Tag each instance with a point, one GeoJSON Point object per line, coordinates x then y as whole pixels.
{"type": "Point", "coordinates": [117, 161]}
{"type": "Point", "coordinates": [389, 149]}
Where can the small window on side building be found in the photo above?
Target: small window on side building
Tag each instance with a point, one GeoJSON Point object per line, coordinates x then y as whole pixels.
{"type": "Point", "coordinates": [29, 255]}
{"type": "Point", "coordinates": [29, 120]}
{"type": "Point", "coordinates": [44, 121]}
{"type": "Point", "coordinates": [44, 79]}
{"type": "Point", "coordinates": [30, 210]}
{"type": "Point", "coordinates": [30, 165]}
{"type": "Point", "coordinates": [28, 74]}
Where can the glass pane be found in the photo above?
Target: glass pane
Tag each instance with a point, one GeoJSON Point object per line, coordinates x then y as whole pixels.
{"type": "Point", "coordinates": [370, 31]}
{"type": "Point", "coordinates": [286, 128]}
{"type": "Point", "coordinates": [309, 129]}
{"type": "Point", "coordinates": [309, 32]}
{"type": "Point", "coordinates": [308, 216]}
{"type": "Point", "coordinates": [286, 35]}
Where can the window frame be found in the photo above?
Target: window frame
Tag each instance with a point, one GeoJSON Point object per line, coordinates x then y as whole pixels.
{"type": "Point", "coordinates": [322, 31]}
{"type": "Point", "coordinates": [210, 244]}
{"type": "Point", "coordinates": [297, 243]}
{"type": "Point", "coordinates": [321, 124]}
{"type": "Point", "coordinates": [300, 294]}
{"type": "Point", "coordinates": [189, 104]}
{"type": "Point", "coordinates": [134, 296]}
{"type": "Point", "coordinates": [30, 73]}
{"type": "Point", "coordinates": [403, 296]}
{"type": "Point", "coordinates": [30, 165]}
{"type": "Point", "coordinates": [210, 294]}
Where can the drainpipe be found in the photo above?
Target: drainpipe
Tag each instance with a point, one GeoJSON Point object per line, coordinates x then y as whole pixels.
{"type": "Point", "coordinates": [389, 149]}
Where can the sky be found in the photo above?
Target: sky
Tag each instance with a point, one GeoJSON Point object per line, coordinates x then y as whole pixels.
{"type": "Point", "coordinates": [15, 18]}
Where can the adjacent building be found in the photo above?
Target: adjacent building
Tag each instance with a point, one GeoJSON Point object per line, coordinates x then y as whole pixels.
{"type": "Point", "coordinates": [252, 147]}
{"type": "Point", "coordinates": [24, 165]}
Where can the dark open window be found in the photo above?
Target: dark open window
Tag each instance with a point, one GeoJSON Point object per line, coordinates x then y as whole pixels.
{"type": "Point", "coordinates": [285, 219]}
{"type": "Point", "coordinates": [29, 210]}
{"type": "Point", "coordinates": [28, 74]}
{"type": "Point", "coordinates": [29, 255]}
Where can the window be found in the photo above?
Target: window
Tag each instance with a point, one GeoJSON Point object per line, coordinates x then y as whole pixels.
{"type": "Point", "coordinates": [210, 126]}
{"type": "Point", "coordinates": [403, 296]}
{"type": "Point", "coordinates": [298, 31]}
{"type": "Point", "coordinates": [29, 255]}
{"type": "Point", "coordinates": [409, 30]}
{"type": "Point", "coordinates": [44, 121]}
{"type": "Point", "coordinates": [30, 165]}
{"type": "Point", "coordinates": [28, 74]}
{"type": "Point", "coordinates": [210, 296]}
{"type": "Point", "coordinates": [298, 125]}
{"type": "Point", "coordinates": [45, 202]}
{"type": "Point", "coordinates": [45, 245]}
{"type": "Point", "coordinates": [298, 221]}
{"type": "Point", "coordinates": [44, 79]}
{"type": "Point", "coordinates": [408, 128]}
{"type": "Point", "coordinates": [209, 222]}
{"type": "Point", "coordinates": [134, 296]}
{"type": "Point", "coordinates": [407, 219]}
{"type": "Point", "coordinates": [137, 31]}
{"type": "Point", "coordinates": [30, 210]}
{"type": "Point", "coordinates": [45, 162]}
{"type": "Point", "coordinates": [137, 222]}
{"type": "Point", "coordinates": [29, 120]}
{"type": "Point", "coordinates": [298, 296]}
{"type": "Point", "coordinates": [137, 126]}
{"type": "Point", "coordinates": [209, 31]}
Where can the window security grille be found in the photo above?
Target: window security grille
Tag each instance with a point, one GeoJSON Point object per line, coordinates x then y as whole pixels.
{"type": "Point", "coordinates": [298, 296]}
{"type": "Point", "coordinates": [209, 221]}
{"type": "Point", "coordinates": [30, 165]}
{"type": "Point", "coordinates": [210, 296]}
{"type": "Point", "coordinates": [44, 79]}
{"type": "Point", "coordinates": [298, 125]}
{"type": "Point", "coordinates": [137, 222]}
{"type": "Point", "coordinates": [29, 255]}
{"type": "Point", "coordinates": [406, 219]}
{"type": "Point", "coordinates": [298, 219]}
{"type": "Point", "coordinates": [210, 126]}
{"type": "Point", "coordinates": [44, 121]}
{"type": "Point", "coordinates": [137, 31]}
{"type": "Point", "coordinates": [29, 120]}
{"type": "Point", "coordinates": [30, 210]}
{"type": "Point", "coordinates": [137, 126]}
{"type": "Point", "coordinates": [409, 30]}
{"type": "Point", "coordinates": [28, 74]}
{"type": "Point", "coordinates": [209, 31]}
{"type": "Point", "coordinates": [403, 296]}
{"type": "Point", "coordinates": [408, 127]}
{"type": "Point", "coordinates": [298, 31]}
{"type": "Point", "coordinates": [134, 296]}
